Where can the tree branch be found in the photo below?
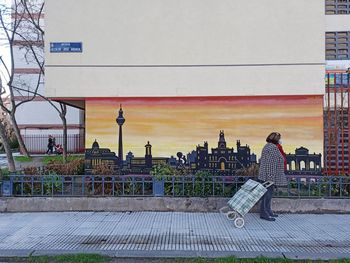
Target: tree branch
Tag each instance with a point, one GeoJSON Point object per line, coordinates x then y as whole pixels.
{"type": "Point", "coordinates": [41, 96]}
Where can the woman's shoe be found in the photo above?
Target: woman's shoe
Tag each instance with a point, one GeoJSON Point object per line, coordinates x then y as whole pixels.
{"type": "Point", "coordinates": [274, 215]}
{"type": "Point", "coordinates": [268, 218]}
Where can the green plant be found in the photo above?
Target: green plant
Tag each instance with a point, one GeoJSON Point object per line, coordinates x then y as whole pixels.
{"type": "Point", "coordinates": [204, 184]}
{"type": "Point", "coordinates": [161, 170]}
{"type": "Point", "coordinates": [4, 174]}
{"type": "Point", "coordinates": [52, 184]}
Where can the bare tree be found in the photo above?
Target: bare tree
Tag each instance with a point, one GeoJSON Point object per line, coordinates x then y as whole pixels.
{"type": "Point", "coordinates": [34, 10]}
{"type": "Point", "coordinates": [4, 137]}
{"type": "Point", "coordinates": [26, 30]}
{"type": "Point", "coordinates": [62, 112]}
{"type": "Point", "coordinates": [15, 31]}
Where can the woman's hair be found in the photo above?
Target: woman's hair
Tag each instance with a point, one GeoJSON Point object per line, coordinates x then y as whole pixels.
{"type": "Point", "coordinates": [273, 137]}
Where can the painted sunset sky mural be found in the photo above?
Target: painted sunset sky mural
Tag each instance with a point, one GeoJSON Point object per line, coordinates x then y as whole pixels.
{"type": "Point", "coordinates": [177, 124]}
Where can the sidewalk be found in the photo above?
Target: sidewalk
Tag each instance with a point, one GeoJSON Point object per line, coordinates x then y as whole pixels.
{"type": "Point", "coordinates": [155, 234]}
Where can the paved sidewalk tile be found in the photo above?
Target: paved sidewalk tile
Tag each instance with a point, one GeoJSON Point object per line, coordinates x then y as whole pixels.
{"type": "Point", "coordinates": [174, 234]}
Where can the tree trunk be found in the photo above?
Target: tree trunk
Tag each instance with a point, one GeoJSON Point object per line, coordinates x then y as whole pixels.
{"type": "Point", "coordinates": [64, 122]}
{"type": "Point", "coordinates": [10, 161]}
{"type": "Point", "coordinates": [22, 146]}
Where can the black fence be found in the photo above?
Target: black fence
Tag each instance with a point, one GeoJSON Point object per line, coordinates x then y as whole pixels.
{"type": "Point", "coordinates": [172, 186]}
{"type": "Point", "coordinates": [38, 143]}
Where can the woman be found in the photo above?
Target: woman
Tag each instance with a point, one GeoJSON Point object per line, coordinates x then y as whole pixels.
{"type": "Point", "coordinates": [271, 169]}
{"type": "Point", "coordinates": [50, 145]}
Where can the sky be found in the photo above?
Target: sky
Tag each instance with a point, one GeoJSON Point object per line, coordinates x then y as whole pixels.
{"type": "Point", "coordinates": [179, 124]}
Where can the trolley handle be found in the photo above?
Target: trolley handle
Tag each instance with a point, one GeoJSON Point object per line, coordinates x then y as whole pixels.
{"type": "Point", "coordinates": [267, 184]}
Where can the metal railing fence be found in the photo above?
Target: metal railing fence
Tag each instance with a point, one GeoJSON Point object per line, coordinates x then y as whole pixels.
{"type": "Point", "coordinates": [173, 186]}
{"type": "Point", "coordinates": [37, 143]}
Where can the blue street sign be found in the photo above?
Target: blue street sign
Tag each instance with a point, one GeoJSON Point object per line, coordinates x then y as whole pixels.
{"type": "Point", "coordinates": [62, 47]}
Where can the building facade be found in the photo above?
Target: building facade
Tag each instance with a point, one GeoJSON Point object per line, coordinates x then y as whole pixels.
{"type": "Point", "coordinates": [184, 70]}
{"type": "Point", "coordinates": [336, 101]}
{"type": "Point", "coordinates": [37, 119]}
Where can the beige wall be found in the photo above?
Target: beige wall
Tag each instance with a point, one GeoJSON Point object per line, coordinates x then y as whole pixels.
{"type": "Point", "coordinates": [338, 23]}
{"type": "Point", "coordinates": [186, 47]}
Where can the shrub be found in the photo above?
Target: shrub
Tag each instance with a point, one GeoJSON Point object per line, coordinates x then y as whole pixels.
{"type": "Point", "coordinates": [52, 184]}
{"type": "Point", "coordinates": [182, 171]}
{"type": "Point", "coordinates": [4, 174]}
{"type": "Point", "coordinates": [31, 170]}
{"type": "Point", "coordinates": [59, 158]}
{"type": "Point", "coordinates": [74, 167]}
{"type": "Point", "coordinates": [160, 170]}
{"type": "Point", "coordinates": [203, 184]}
{"type": "Point", "coordinates": [103, 169]}
{"type": "Point", "coordinates": [252, 170]}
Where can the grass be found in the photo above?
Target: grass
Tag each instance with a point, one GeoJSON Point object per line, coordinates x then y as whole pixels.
{"type": "Point", "coordinates": [23, 159]}
{"type": "Point", "coordinates": [70, 258]}
{"type": "Point", "coordinates": [96, 258]}
{"type": "Point", "coordinates": [252, 260]}
{"type": "Point", "coordinates": [47, 159]}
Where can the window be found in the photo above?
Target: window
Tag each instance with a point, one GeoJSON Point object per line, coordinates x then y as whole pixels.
{"type": "Point", "coordinates": [337, 45]}
{"type": "Point", "coordinates": [337, 7]}
{"type": "Point", "coordinates": [330, 34]}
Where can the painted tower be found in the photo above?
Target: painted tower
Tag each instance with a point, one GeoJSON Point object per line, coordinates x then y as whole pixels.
{"type": "Point", "coordinates": [120, 121]}
{"type": "Point", "coordinates": [148, 155]}
{"type": "Point", "coordinates": [222, 141]}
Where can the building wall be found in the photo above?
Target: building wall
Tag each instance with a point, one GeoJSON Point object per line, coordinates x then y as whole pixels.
{"type": "Point", "coordinates": [337, 22]}
{"type": "Point", "coordinates": [337, 98]}
{"type": "Point", "coordinates": [37, 118]}
{"type": "Point", "coordinates": [184, 70]}
{"type": "Point", "coordinates": [186, 48]}
{"type": "Point", "coordinates": [183, 124]}
{"type": "Point", "coordinates": [44, 113]}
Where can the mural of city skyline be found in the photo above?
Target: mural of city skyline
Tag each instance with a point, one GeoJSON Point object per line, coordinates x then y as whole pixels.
{"type": "Point", "coordinates": [179, 124]}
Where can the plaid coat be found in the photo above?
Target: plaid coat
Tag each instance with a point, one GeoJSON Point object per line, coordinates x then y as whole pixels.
{"type": "Point", "coordinates": [272, 165]}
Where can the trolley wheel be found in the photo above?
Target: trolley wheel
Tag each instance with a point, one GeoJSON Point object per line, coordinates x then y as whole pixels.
{"type": "Point", "coordinates": [239, 222]}
{"type": "Point", "coordinates": [231, 215]}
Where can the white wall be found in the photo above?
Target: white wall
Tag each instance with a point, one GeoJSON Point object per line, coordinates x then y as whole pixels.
{"type": "Point", "coordinates": [194, 81]}
{"type": "Point", "coordinates": [28, 82]}
{"type": "Point", "coordinates": [34, 113]}
{"type": "Point", "coordinates": [338, 23]}
{"type": "Point", "coordinates": [22, 62]}
{"type": "Point", "coordinates": [186, 47]}
{"type": "Point", "coordinates": [41, 112]}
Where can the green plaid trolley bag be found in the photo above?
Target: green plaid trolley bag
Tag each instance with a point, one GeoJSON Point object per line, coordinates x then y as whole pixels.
{"type": "Point", "coordinates": [241, 203]}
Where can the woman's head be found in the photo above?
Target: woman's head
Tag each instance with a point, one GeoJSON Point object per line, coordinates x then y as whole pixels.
{"type": "Point", "coordinates": [273, 137]}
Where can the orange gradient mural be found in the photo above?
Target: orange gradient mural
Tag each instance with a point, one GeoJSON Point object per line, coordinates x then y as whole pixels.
{"type": "Point", "coordinates": [174, 125]}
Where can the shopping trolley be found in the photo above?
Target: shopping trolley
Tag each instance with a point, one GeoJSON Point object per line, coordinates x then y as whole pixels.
{"type": "Point", "coordinates": [241, 203]}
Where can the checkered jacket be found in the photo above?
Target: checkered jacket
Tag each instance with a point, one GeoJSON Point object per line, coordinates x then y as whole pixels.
{"type": "Point", "coordinates": [272, 165]}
